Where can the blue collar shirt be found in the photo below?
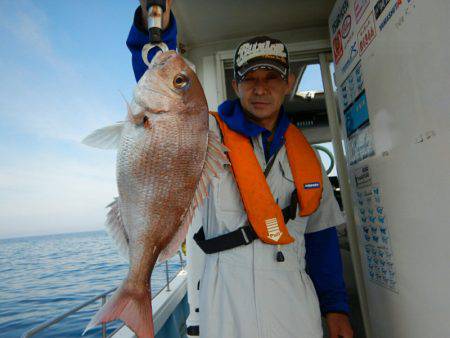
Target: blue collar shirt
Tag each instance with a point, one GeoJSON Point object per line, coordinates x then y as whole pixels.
{"type": "Point", "coordinates": [232, 113]}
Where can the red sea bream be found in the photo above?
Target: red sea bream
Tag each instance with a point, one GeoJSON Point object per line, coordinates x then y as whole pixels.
{"type": "Point", "coordinates": [166, 157]}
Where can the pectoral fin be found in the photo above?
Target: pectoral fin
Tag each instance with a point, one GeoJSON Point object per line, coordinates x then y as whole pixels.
{"type": "Point", "coordinates": [105, 138]}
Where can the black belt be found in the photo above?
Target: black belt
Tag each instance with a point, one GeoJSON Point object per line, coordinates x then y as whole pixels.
{"type": "Point", "coordinates": [242, 236]}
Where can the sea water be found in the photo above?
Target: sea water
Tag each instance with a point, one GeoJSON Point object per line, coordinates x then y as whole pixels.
{"type": "Point", "coordinates": [42, 277]}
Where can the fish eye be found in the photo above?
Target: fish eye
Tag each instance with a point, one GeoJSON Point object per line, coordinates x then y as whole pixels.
{"type": "Point", "coordinates": [181, 81]}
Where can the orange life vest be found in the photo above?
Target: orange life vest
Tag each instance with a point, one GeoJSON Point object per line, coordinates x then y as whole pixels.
{"type": "Point", "coordinates": [263, 212]}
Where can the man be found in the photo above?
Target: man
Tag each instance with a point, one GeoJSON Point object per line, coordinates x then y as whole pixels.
{"type": "Point", "coordinates": [250, 286]}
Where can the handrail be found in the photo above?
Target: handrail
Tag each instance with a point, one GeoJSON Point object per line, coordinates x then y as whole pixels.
{"type": "Point", "coordinates": [330, 155]}
{"type": "Point", "coordinates": [103, 295]}
{"type": "Point", "coordinates": [53, 321]}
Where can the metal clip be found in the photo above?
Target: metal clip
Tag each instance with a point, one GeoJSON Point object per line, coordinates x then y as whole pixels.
{"type": "Point", "coordinates": [148, 47]}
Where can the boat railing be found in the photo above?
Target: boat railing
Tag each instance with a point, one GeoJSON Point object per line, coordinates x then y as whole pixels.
{"type": "Point", "coordinates": [103, 296]}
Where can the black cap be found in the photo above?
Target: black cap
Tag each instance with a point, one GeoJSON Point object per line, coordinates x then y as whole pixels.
{"type": "Point", "coordinates": [261, 52]}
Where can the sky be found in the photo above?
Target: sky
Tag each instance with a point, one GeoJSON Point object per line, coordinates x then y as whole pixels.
{"type": "Point", "coordinates": [63, 65]}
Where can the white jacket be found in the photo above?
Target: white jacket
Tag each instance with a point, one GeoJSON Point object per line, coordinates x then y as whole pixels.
{"type": "Point", "coordinates": [244, 292]}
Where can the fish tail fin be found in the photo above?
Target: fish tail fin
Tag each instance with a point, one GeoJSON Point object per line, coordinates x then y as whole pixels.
{"type": "Point", "coordinates": [132, 306]}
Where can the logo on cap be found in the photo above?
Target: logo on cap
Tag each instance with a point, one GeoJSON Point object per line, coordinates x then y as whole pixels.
{"type": "Point", "coordinates": [261, 52]}
{"type": "Point", "coordinates": [265, 49]}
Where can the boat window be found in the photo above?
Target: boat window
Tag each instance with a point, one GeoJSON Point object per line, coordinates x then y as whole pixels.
{"type": "Point", "coordinates": [229, 76]}
{"type": "Point", "coordinates": [310, 81]}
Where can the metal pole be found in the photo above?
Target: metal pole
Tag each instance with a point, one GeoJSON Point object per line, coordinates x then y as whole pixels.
{"type": "Point", "coordinates": [167, 276]}
{"type": "Point", "coordinates": [103, 324]}
{"type": "Point", "coordinates": [181, 259]}
{"type": "Point", "coordinates": [101, 296]}
{"type": "Point", "coordinates": [53, 321]}
{"type": "Point", "coordinates": [345, 188]}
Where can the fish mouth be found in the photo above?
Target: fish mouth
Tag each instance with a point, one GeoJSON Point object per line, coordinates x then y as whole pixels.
{"type": "Point", "coordinates": [162, 58]}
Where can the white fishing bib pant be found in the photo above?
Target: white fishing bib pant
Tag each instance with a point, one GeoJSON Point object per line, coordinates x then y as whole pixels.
{"type": "Point", "coordinates": [244, 292]}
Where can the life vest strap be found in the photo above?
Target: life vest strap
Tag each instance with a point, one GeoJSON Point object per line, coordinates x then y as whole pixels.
{"type": "Point", "coordinates": [242, 236]}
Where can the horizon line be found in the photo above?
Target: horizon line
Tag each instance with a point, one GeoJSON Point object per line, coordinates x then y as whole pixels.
{"type": "Point", "coordinates": [52, 234]}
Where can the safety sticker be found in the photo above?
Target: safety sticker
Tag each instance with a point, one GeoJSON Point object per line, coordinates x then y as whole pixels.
{"type": "Point", "coordinates": [375, 237]}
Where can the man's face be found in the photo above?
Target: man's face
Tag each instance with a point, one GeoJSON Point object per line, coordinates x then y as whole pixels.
{"type": "Point", "coordinates": [262, 92]}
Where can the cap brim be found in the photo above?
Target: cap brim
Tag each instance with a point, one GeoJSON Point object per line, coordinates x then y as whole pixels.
{"type": "Point", "coordinates": [263, 65]}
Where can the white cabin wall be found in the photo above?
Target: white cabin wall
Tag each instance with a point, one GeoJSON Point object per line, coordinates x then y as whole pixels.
{"type": "Point", "coordinates": [317, 135]}
{"type": "Point", "coordinates": [204, 56]}
{"type": "Point", "coordinates": [401, 169]}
